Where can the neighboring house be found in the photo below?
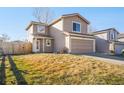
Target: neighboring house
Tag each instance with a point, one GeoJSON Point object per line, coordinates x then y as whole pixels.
{"type": "Point", "coordinates": [68, 32]}
{"type": "Point", "coordinates": [1, 39]}
{"type": "Point", "coordinates": [121, 37]}
{"type": "Point", "coordinates": [107, 41]}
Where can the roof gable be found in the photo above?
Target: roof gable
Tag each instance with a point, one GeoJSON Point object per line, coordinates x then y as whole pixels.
{"type": "Point", "coordinates": [34, 23]}
{"type": "Point", "coordinates": [76, 14]}
{"type": "Point", "coordinates": [121, 35]}
{"type": "Point", "coordinates": [105, 31]}
{"type": "Point", "coordinates": [69, 15]}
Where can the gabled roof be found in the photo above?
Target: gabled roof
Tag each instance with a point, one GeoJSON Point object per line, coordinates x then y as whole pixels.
{"type": "Point", "coordinates": [104, 31]}
{"type": "Point", "coordinates": [63, 16]}
{"type": "Point", "coordinates": [69, 15]}
{"type": "Point", "coordinates": [34, 22]}
{"type": "Point", "coordinates": [76, 14]}
{"type": "Point", "coordinates": [121, 35]}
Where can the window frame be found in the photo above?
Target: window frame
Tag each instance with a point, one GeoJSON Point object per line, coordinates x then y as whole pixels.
{"type": "Point", "coordinates": [39, 31]}
{"type": "Point", "coordinates": [50, 42]}
{"type": "Point", "coordinates": [112, 36]}
{"type": "Point", "coordinates": [76, 23]}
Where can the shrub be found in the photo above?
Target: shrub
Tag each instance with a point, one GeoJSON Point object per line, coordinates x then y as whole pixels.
{"type": "Point", "coordinates": [122, 52]}
{"type": "Point", "coordinates": [1, 53]}
{"type": "Point", "coordinates": [64, 50]}
{"type": "Point", "coordinates": [112, 52]}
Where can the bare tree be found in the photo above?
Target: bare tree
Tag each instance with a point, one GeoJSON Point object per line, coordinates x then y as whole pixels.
{"type": "Point", "coordinates": [4, 37]}
{"type": "Point", "coordinates": [91, 29]}
{"type": "Point", "coordinates": [43, 15]}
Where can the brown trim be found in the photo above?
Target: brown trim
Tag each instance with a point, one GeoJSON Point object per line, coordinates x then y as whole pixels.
{"type": "Point", "coordinates": [104, 31]}
{"type": "Point", "coordinates": [68, 15]}
{"type": "Point", "coordinates": [43, 37]}
{"type": "Point", "coordinates": [80, 35]}
{"type": "Point", "coordinates": [55, 21]}
{"type": "Point", "coordinates": [77, 14]}
{"type": "Point", "coordinates": [34, 23]}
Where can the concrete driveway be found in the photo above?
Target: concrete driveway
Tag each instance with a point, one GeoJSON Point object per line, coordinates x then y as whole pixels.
{"type": "Point", "coordinates": [107, 58]}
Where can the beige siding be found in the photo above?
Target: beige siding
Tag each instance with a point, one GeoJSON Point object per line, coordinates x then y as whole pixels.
{"type": "Point", "coordinates": [67, 24]}
{"type": "Point", "coordinates": [29, 34]}
{"type": "Point", "coordinates": [59, 25]}
{"type": "Point", "coordinates": [49, 49]}
{"type": "Point", "coordinates": [81, 46]}
{"type": "Point", "coordinates": [35, 30]}
{"type": "Point", "coordinates": [102, 36]}
{"type": "Point", "coordinates": [107, 35]}
{"type": "Point", "coordinates": [102, 45]}
{"type": "Point", "coordinates": [42, 45]}
{"type": "Point", "coordinates": [34, 45]}
{"type": "Point", "coordinates": [121, 39]}
{"type": "Point", "coordinates": [59, 38]}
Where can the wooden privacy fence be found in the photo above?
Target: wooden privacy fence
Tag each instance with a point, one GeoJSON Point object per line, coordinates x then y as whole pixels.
{"type": "Point", "coordinates": [16, 47]}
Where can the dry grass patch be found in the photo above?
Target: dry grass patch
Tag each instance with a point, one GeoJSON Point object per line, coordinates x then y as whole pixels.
{"type": "Point", "coordinates": [67, 69]}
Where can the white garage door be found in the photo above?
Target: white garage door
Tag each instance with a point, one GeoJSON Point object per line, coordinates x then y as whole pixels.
{"type": "Point", "coordinates": [118, 48]}
{"type": "Point", "coordinates": [82, 46]}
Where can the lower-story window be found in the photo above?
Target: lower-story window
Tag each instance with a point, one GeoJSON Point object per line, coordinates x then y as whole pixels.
{"type": "Point", "coordinates": [48, 42]}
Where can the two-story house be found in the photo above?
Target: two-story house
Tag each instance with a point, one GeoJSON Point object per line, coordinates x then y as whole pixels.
{"type": "Point", "coordinates": [121, 37]}
{"type": "Point", "coordinates": [107, 41]}
{"type": "Point", "coordinates": [68, 32]}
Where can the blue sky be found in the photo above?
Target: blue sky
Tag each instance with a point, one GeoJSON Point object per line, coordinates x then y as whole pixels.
{"type": "Point", "coordinates": [13, 21]}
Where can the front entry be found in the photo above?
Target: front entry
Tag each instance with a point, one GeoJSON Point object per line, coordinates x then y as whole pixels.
{"type": "Point", "coordinates": [39, 45]}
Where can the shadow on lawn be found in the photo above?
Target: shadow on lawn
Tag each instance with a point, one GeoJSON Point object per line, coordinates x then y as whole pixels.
{"type": "Point", "coordinates": [19, 77]}
{"type": "Point", "coordinates": [2, 71]}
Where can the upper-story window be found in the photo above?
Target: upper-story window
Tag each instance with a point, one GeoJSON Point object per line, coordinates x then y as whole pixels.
{"type": "Point", "coordinates": [40, 28]}
{"type": "Point", "coordinates": [112, 36]}
{"type": "Point", "coordinates": [76, 27]}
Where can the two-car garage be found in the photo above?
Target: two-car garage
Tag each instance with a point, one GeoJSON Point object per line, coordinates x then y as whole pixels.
{"type": "Point", "coordinates": [82, 45]}
{"type": "Point", "coordinates": [119, 47]}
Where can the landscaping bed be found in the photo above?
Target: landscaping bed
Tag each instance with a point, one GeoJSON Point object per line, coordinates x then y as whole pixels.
{"type": "Point", "coordinates": [62, 69]}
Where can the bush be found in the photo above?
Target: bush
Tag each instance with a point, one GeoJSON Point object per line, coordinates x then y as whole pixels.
{"type": "Point", "coordinates": [1, 53]}
{"type": "Point", "coordinates": [122, 52]}
{"type": "Point", "coordinates": [112, 52]}
{"type": "Point", "coordinates": [64, 50]}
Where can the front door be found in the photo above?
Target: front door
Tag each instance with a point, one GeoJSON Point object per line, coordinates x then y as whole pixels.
{"type": "Point", "coordinates": [38, 46]}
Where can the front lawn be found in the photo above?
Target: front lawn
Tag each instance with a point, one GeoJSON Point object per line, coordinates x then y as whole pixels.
{"type": "Point", "coordinates": [61, 69]}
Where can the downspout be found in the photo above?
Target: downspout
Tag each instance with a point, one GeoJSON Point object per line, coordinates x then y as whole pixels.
{"type": "Point", "coordinates": [69, 43]}
{"type": "Point", "coordinates": [43, 45]}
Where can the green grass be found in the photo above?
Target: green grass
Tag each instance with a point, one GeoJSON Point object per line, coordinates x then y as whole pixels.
{"type": "Point", "coordinates": [62, 69]}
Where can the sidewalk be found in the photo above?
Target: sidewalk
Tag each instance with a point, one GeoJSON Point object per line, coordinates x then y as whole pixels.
{"type": "Point", "coordinates": [108, 58]}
